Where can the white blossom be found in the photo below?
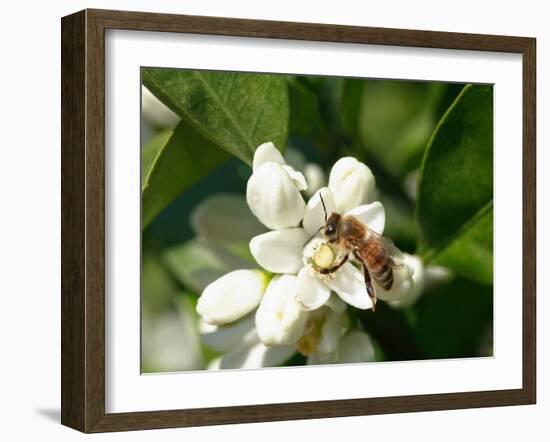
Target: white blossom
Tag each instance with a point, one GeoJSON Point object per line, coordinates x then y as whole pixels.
{"type": "Point", "coordinates": [356, 346]}
{"type": "Point", "coordinates": [241, 346]}
{"type": "Point", "coordinates": [313, 173]}
{"type": "Point", "coordinates": [351, 183]}
{"type": "Point", "coordinates": [232, 296]}
{"type": "Point", "coordinates": [279, 251]}
{"type": "Point", "coordinates": [279, 319]}
{"type": "Point", "coordinates": [283, 251]}
{"type": "Point", "coordinates": [273, 190]}
{"type": "Point", "coordinates": [423, 278]}
{"type": "Point", "coordinates": [323, 332]}
{"type": "Point", "coordinates": [304, 306]}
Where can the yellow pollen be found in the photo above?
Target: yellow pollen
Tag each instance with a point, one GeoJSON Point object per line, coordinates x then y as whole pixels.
{"type": "Point", "coordinates": [324, 257]}
{"type": "Point", "coordinates": [279, 316]}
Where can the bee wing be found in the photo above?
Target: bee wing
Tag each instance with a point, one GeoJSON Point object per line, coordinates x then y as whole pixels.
{"type": "Point", "coordinates": [387, 247]}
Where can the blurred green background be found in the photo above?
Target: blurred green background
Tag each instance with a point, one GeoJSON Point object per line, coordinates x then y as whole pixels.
{"type": "Point", "coordinates": [429, 145]}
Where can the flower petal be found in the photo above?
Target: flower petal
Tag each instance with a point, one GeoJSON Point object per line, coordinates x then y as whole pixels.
{"type": "Point", "coordinates": [322, 358]}
{"type": "Point", "coordinates": [279, 251]}
{"type": "Point", "coordinates": [372, 215]}
{"type": "Point", "coordinates": [312, 292]}
{"type": "Point", "coordinates": [273, 197]}
{"type": "Point", "coordinates": [330, 333]}
{"type": "Point", "coordinates": [279, 319]}
{"type": "Point", "coordinates": [225, 218]}
{"type": "Point", "coordinates": [314, 215]}
{"type": "Point", "coordinates": [356, 346]}
{"type": "Point", "coordinates": [257, 356]}
{"type": "Point", "coordinates": [351, 183]}
{"type": "Point", "coordinates": [297, 177]}
{"type": "Point", "coordinates": [267, 152]}
{"type": "Point", "coordinates": [224, 338]}
{"type": "Point", "coordinates": [336, 303]}
{"type": "Point", "coordinates": [350, 286]}
{"type": "Point", "coordinates": [417, 269]}
{"type": "Point", "coordinates": [231, 297]}
{"type": "Point", "coordinates": [402, 282]}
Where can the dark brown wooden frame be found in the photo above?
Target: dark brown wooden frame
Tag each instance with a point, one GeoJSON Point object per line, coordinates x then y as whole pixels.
{"type": "Point", "coordinates": [83, 216]}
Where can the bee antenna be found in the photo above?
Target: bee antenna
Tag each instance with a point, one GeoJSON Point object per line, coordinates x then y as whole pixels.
{"type": "Point", "coordinates": [324, 207]}
{"type": "Point", "coordinates": [312, 236]}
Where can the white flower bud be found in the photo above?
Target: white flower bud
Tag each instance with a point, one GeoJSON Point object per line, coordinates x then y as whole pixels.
{"type": "Point", "coordinates": [404, 282]}
{"type": "Point", "coordinates": [232, 296]}
{"type": "Point", "coordinates": [330, 333]}
{"type": "Point", "coordinates": [155, 111]}
{"type": "Point", "coordinates": [356, 346]}
{"type": "Point", "coordinates": [279, 319]}
{"type": "Point", "coordinates": [351, 183]}
{"type": "Point", "coordinates": [255, 356]}
{"type": "Point", "coordinates": [273, 196]}
{"type": "Point", "coordinates": [267, 152]}
{"type": "Point", "coordinates": [414, 263]}
{"type": "Point", "coordinates": [225, 338]}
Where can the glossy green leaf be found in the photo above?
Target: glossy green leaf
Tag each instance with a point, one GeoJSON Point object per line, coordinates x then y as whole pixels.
{"type": "Point", "coordinates": [151, 150]}
{"type": "Point", "coordinates": [454, 320]}
{"type": "Point", "coordinates": [235, 110]}
{"type": "Point", "coordinates": [304, 108]}
{"type": "Point", "coordinates": [393, 120]}
{"type": "Point", "coordinates": [455, 191]}
{"type": "Point", "coordinates": [171, 162]}
{"type": "Point", "coordinates": [471, 252]}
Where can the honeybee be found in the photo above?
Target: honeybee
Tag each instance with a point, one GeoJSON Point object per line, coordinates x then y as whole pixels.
{"type": "Point", "coordinates": [377, 254]}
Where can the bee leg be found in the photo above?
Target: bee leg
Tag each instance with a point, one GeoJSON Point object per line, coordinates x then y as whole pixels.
{"type": "Point", "coordinates": [334, 268]}
{"type": "Point", "coordinates": [369, 286]}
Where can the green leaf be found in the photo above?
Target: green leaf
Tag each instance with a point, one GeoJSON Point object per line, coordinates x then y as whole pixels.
{"type": "Point", "coordinates": [350, 102]}
{"type": "Point", "coordinates": [455, 190]}
{"type": "Point", "coordinates": [453, 320]}
{"type": "Point", "coordinates": [171, 162]}
{"type": "Point", "coordinates": [471, 252]}
{"type": "Point", "coordinates": [150, 152]}
{"type": "Point", "coordinates": [158, 287]}
{"type": "Point", "coordinates": [304, 108]}
{"type": "Point", "coordinates": [237, 111]}
{"type": "Point", "coordinates": [393, 120]}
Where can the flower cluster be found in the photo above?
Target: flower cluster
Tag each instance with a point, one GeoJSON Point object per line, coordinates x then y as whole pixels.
{"type": "Point", "coordinates": [260, 317]}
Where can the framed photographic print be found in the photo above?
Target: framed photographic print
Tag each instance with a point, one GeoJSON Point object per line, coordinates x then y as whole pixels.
{"type": "Point", "coordinates": [270, 220]}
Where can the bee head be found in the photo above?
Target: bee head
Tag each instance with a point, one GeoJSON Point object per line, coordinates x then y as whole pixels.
{"type": "Point", "coordinates": [331, 227]}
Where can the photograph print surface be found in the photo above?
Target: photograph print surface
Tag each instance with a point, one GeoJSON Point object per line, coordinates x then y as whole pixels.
{"type": "Point", "coordinates": [304, 220]}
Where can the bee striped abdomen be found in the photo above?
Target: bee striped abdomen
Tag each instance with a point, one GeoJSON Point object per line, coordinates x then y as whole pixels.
{"type": "Point", "coordinates": [384, 275]}
{"type": "Point", "coordinates": [380, 266]}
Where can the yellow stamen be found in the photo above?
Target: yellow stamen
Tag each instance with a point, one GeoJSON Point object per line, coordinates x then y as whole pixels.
{"type": "Point", "coordinates": [324, 257]}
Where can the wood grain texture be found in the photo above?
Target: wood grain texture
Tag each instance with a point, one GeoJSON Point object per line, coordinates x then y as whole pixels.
{"type": "Point", "coordinates": [83, 220]}
{"type": "Point", "coordinates": [529, 221]}
{"type": "Point", "coordinates": [73, 253]}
